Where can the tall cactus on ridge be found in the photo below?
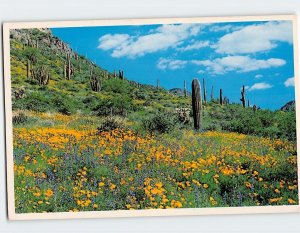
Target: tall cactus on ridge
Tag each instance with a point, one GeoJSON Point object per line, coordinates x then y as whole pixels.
{"type": "Point", "coordinates": [157, 83]}
{"type": "Point", "coordinates": [184, 88]}
{"type": "Point", "coordinates": [197, 104]}
{"type": "Point", "coordinates": [121, 74]}
{"type": "Point", "coordinates": [204, 91]}
{"type": "Point", "coordinates": [221, 97]}
{"type": "Point", "coordinates": [67, 68]}
{"type": "Point", "coordinates": [94, 81]}
{"type": "Point", "coordinates": [212, 93]}
{"type": "Point", "coordinates": [243, 99]}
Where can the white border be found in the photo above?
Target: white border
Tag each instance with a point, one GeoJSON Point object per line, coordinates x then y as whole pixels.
{"type": "Point", "coordinates": [134, 213]}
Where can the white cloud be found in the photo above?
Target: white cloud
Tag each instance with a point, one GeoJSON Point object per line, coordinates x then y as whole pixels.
{"type": "Point", "coordinates": [255, 38]}
{"type": "Point", "coordinates": [162, 38]}
{"type": "Point", "coordinates": [259, 86]}
{"type": "Point", "coordinates": [290, 82]}
{"type": "Point", "coordinates": [194, 46]}
{"type": "Point", "coordinates": [109, 41]}
{"type": "Point", "coordinates": [258, 76]}
{"type": "Point", "coordinates": [171, 64]}
{"type": "Point", "coordinates": [222, 28]}
{"type": "Point", "coordinates": [238, 64]}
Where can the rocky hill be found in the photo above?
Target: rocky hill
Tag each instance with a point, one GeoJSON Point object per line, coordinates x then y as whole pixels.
{"type": "Point", "coordinates": [48, 75]}
{"type": "Point", "coordinates": [289, 106]}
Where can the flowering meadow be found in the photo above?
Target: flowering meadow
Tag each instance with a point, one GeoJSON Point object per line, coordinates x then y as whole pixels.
{"type": "Point", "coordinates": [67, 166]}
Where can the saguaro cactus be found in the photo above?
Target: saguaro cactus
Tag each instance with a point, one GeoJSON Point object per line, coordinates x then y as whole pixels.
{"type": "Point", "coordinates": [79, 65]}
{"type": "Point", "coordinates": [67, 72]}
{"type": "Point", "coordinates": [121, 74]}
{"type": "Point", "coordinates": [204, 91]}
{"type": "Point", "coordinates": [184, 88]}
{"type": "Point", "coordinates": [254, 108]}
{"type": "Point", "coordinates": [212, 93]}
{"type": "Point", "coordinates": [95, 84]}
{"type": "Point", "coordinates": [196, 103]}
{"type": "Point", "coordinates": [28, 69]}
{"type": "Point", "coordinates": [243, 99]}
{"type": "Point", "coordinates": [221, 97]}
{"type": "Point", "coordinates": [157, 83]}
{"type": "Point", "coordinates": [41, 74]}
{"type": "Point", "coordinates": [248, 103]}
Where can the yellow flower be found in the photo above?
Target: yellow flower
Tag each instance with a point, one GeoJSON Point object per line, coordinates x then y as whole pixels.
{"type": "Point", "coordinates": [248, 184]}
{"type": "Point", "coordinates": [176, 204]}
{"type": "Point", "coordinates": [95, 206]}
{"type": "Point", "coordinates": [49, 193]}
{"type": "Point", "coordinates": [205, 186]}
{"type": "Point", "coordinates": [291, 201]}
{"type": "Point", "coordinates": [112, 186]}
{"type": "Point", "coordinates": [159, 185]}
{"type": "Point", "coordinates": [292, 187]}
{"type": "Point", "coordinates": [101, 184]}
{"type": "Point", "coordinates": [255, 173]}
{"type": "Point", "coordinates": [273, 200]}
{"type": "Point", "coordinates": [276, 191]}
{"type": "Point", "coordinates": [213, 201]}
{"type": "Point", "coordinates": [37, 194]}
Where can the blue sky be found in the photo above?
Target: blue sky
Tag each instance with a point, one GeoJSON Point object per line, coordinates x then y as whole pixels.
{"type": "Point", "coordinates": [258, 55]}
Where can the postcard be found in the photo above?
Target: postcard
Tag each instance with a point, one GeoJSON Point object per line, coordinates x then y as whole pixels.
{"type": "Point", "coordinates": [151, 117]}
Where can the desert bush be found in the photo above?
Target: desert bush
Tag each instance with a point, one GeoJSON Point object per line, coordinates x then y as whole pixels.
{"type": "Point", "coordinates": [116, 86]}
{"type": "Point", "coordinates": [117, 105]}
{"type": "Point", "coordinates": [160, 123]}
{"type": "Point", "coordinates": [111, 123]}
{"type": "Point", "coordinates": [19, 117]}
{"type": "Point", "coordinates": [34, 101]}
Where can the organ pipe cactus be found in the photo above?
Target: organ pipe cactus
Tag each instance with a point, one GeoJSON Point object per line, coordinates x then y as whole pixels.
{"type": "Point", "coordinates": [41, 74]}
{"type": "Point", "coordinates": [184, 88]}
{"type": "Point", "coordinates": [243, 99]}
{"type": "Point", "coordinates": [221, 97]}
{"type": "Point", "coordinates": [197, 104]}
{"type": "Point", "coordinates": [95, 84]}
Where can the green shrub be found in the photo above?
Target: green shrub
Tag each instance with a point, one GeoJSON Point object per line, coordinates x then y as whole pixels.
{"type": "Point", "coordinates": [160, 123]}
{"type": "Point", "coordinates": [116, 86]}
{"type": "Point", "coordinates": [117, 105]}
{"type": "Point", "coordinates": [34, 101]}
{"type": "Point", "coordinates": [19, 117]}
{"type": "Point", "coordinates": [111, 123]}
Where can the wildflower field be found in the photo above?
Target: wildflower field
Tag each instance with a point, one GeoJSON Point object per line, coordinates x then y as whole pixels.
{"type": "Point", "coordinates": [66, 167]}
{"type": "Point", "coordinates": [86, 138]}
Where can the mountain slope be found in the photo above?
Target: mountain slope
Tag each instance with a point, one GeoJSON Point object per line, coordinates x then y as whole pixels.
{"type": "Point", "coordinates": [36, 53]}
{"type": "Point", "coordinates": [289, 106]}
